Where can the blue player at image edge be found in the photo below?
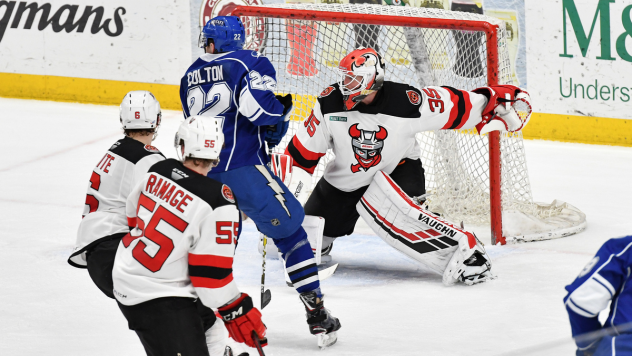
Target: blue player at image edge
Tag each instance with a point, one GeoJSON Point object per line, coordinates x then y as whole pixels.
{"type": "Point", "coordinates": [605, 279]}
{"type": "Point", "coordinates": [237, 86]}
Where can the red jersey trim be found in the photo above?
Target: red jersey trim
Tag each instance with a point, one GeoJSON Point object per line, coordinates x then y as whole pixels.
{"type": "Point", "coordinates": [210, 260]}
{"type": "Point", "coordinates": [203, 282]}
{"type": "Point", "coordinates": [470, 238]}
{"type": "Point", "coordinates": [468, 109]}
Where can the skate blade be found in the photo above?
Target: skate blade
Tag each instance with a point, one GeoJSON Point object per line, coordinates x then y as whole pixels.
{"type": "Point", "coordinates": [326, 340]}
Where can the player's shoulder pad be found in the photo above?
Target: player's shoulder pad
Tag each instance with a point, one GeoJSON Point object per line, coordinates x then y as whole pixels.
{"type": "Point", "coordinates": [621, 246]}
{"type": "Point", "coordinates": [211, 191]}
{"type": "Point", "coordinates": [258, 62]}
{"type": "Point", "coordinates": [132, 150]}
{"type": "Point", "coordinates": [330, 99]}
{"type": "Point", "coordinates": [401, 100]}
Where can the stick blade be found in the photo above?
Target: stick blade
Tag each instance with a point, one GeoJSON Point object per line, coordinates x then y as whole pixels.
{"type": "Point", "coordinates": [327, 272]}
{"type": "Point", "coordinates": [266, 297]}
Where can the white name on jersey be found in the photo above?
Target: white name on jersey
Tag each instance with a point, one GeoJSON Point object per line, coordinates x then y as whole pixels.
{"type": "Point", "coordinates": [214, 73]}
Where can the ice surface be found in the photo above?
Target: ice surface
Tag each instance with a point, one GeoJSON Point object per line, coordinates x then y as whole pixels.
{"type": "Point", "coordinates": [388, 305]}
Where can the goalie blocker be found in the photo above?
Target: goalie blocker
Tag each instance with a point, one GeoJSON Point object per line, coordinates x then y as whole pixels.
{"type": "Point", "coordinates": [434, 242]}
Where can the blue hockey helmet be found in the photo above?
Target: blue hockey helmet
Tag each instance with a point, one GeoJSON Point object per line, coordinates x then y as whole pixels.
{"type": "Point", "coordinates": [227, 32]}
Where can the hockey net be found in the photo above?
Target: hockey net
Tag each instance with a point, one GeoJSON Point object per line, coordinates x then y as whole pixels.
{"type": "Point", "coordinates": [422, 47]}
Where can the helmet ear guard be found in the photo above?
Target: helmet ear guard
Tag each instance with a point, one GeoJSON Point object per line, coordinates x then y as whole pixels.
{"type": "Point", "coordinates": [201, 136]}
{"type": "Point", "coordinates": [227, 32]}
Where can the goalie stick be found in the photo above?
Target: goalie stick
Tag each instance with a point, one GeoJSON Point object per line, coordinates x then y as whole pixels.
{"type": "Point", "coordinates": [322, 274]}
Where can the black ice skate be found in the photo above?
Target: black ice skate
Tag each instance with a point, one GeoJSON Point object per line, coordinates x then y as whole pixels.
{"type": "Point", "coordinates": [319, 320]}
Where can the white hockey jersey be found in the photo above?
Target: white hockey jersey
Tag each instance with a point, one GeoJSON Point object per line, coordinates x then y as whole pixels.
{"type": "Point", "coordinates": [376, 137]}
{"type": "Point", "coordinates": [184, 241]}
{"type": "Point", "coordinates": [122, 166]}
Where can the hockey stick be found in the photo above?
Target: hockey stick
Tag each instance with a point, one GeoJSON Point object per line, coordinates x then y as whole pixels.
{"type": "Point", "coordinates": [255, 338]}
{"type": "Point", "coordinates": [587, 337]}
{"type": "Point", "coordinates": [266, 295]}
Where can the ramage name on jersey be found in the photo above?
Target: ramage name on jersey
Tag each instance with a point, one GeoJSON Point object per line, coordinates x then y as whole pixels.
{"type": "Point", "coordinates": [166, 191]}
{"type": "Point", "coordinates": [214, 73]}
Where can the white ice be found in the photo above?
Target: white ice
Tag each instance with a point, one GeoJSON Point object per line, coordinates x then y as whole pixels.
{"type": "Point", "coordinates": [387, 304]}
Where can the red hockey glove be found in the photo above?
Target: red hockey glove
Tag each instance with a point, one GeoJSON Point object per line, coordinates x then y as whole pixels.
{"type": "Point", "coordinates": [242, 319]}
{"type": "Point", "coordinates": [508, 108]}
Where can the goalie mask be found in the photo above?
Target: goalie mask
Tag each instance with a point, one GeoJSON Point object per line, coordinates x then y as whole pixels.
{"type": "Point", "coordinates": [201, 136]}
{"type": "Point", "coordinates": [361, 73]}
{"type": "Point", "coordinates": [140, 110]}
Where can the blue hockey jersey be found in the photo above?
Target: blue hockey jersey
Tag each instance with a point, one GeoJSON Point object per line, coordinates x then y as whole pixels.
{"type": "Point", "coordinates": [605, 279]}
{"type": "Point", "coordinates": [237, 87]}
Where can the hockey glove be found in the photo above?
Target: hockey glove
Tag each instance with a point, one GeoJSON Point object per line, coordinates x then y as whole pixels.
{"type": "Point", "coordinates": [242, 319]}
{"type": "Point", "coordinates": [275, 133]}
{"type": "Point", "coordinates": [508, 109]}
{"type": "Point", "coordinates": [281, 165]}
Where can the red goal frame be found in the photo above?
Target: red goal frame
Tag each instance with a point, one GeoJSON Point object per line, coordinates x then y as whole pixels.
{"type": "Point", "coordinates": [491, 33]}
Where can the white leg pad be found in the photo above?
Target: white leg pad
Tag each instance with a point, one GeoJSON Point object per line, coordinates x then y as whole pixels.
{"type": "Point", "coordinates": [313, 225]}
{"type": "Point", "coordinates": [271, 249]}
{"type": "Point", "coordinates": [416, 232]}
{"type": "Point", "coordinates": [301, 182]}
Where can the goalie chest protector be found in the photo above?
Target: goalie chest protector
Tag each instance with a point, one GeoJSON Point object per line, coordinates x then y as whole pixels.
{"type": "Point", "coordinates": [368, 138]}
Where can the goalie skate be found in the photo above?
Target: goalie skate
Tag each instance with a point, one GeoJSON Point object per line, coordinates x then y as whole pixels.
{"type": "Point", "coordinates": [469, 265]}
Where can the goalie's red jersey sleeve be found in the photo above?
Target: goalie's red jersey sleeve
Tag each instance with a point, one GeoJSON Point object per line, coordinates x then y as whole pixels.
{"type": "Point", "coordinates": [311, 141]}
{"type": "Point", "coordinates": [447, 108]}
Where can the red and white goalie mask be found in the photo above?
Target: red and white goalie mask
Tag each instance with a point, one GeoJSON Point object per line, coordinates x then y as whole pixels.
{"type": "Point", "coordinates": [361, 73]}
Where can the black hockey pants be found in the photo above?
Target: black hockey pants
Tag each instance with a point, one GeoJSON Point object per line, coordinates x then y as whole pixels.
{"type": "Point", "coordinates": [338, 207]}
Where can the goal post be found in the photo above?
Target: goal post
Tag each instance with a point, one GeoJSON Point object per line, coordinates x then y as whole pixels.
{"type": "Point", "coordinates": [470, 178]}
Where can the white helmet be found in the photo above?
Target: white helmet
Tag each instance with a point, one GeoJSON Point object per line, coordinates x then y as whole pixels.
{"type": "Point", "coordinates": [202, 137]}
{"type": "Point", "coordinates": [140, 110]}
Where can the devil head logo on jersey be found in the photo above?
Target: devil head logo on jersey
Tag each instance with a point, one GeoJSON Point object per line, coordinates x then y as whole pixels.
{"type": "Point", "coordinates": [367, 147]}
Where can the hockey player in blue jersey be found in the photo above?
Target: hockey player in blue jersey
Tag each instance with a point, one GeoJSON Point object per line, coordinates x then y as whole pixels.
{"type": "Point", "coordinates": [237, 86]}
{"type": "Point", "coordinates": [605, 279]}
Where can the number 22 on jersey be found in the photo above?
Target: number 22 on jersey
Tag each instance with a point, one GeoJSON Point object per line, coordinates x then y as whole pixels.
{"type": "Point", "coordinates": [214, 103]}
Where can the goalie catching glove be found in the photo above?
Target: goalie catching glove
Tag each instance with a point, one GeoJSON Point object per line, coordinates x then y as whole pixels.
{"type": "Point", "coordinates": [275, 133]}
{"type": "Point", "coordinates": [242, 319]}
{"type": "Point", "coordinates": [421, 235]}
{"type": "Point", "coordinates": [508, 109]}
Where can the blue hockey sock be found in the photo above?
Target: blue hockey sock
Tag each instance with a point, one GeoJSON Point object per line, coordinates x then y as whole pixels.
{"type": "Point", "coordinates": [299, 262]}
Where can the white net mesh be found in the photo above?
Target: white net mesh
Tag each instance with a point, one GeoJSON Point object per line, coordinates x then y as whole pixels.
{"type": "Point", "coordinates": [306, 53]}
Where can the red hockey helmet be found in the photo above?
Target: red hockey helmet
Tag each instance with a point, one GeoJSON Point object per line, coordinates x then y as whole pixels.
{"type": "Point", "coordinates": [361, 72]}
